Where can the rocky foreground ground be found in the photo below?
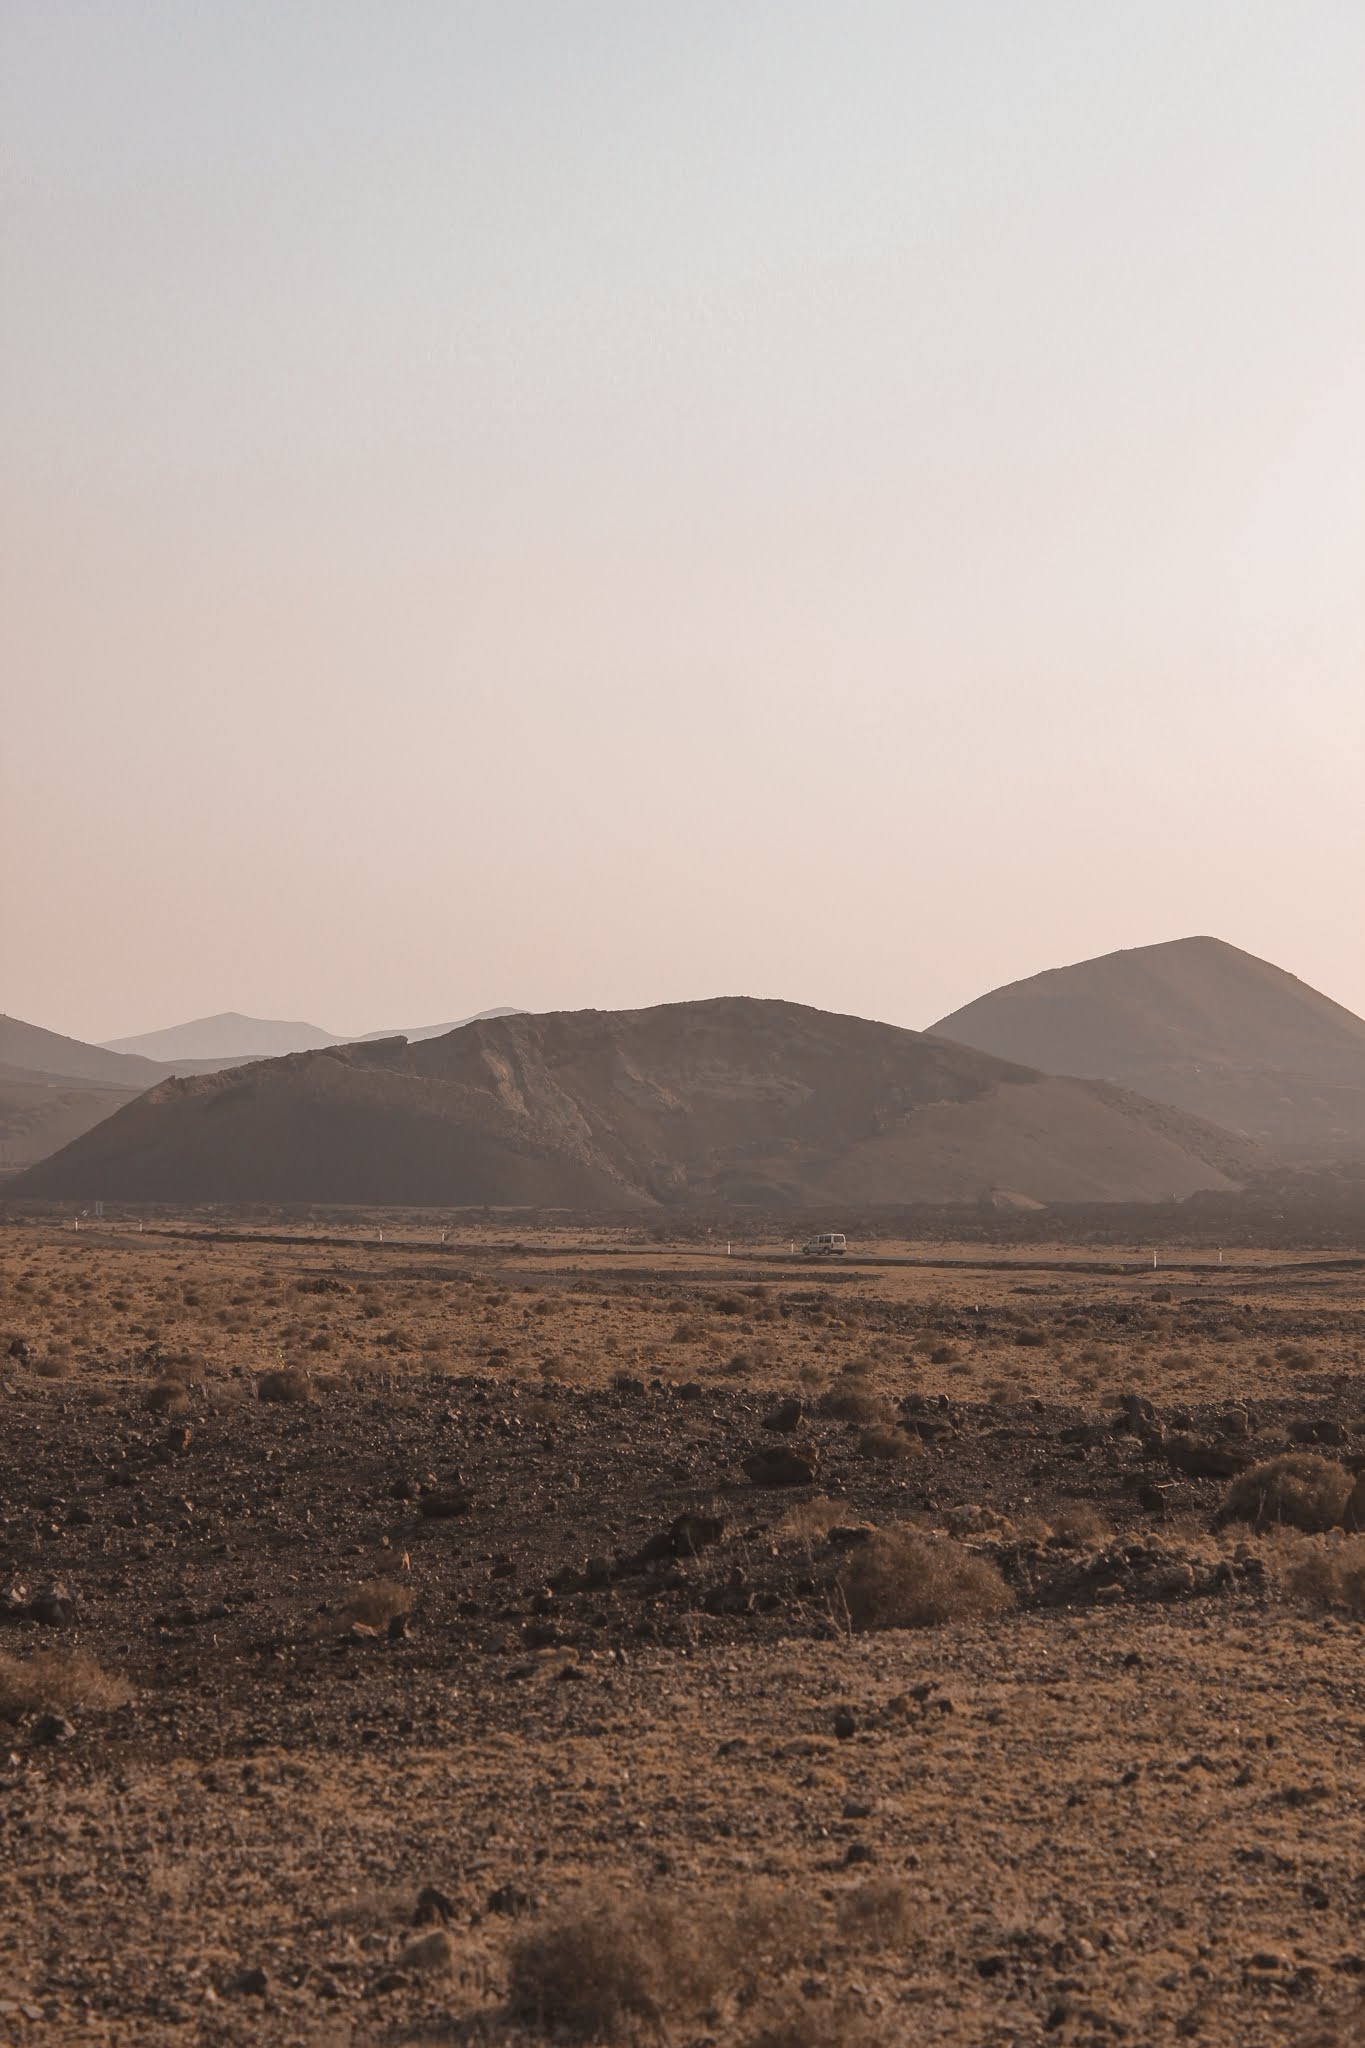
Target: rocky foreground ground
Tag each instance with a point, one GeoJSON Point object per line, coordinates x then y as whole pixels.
{"type": "Point", "coordinates": [675, 1657]}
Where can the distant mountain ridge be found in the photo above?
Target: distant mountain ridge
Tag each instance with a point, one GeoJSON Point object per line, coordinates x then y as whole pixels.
{"type": "Point", "coordinates": [232, 1036]}
{"type": "Point", "coordinates": [729, 1100]}
{"type": "Point", "coordinates": [1196, 1023]}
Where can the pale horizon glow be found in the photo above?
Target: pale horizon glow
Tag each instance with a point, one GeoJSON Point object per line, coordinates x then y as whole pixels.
{"type": "Point", "coordinates": [568, 503]}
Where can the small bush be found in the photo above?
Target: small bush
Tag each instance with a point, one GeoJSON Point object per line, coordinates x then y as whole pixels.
{"type": "Point", "coordinates": [57, 1678]}
{"type": "Point", "coordinates": [1331, 1576]}
{"type": "Point", "coordinates": [888, 1444]}
{"type": "Point", "coordinates": [376, 1604]}
{"type": "Point", "coordinates": [903, 1579]}
{"type": "Point", "coordinates": [594, 1968]}
{"type": "Point", "coordinates": [287, 1384]}
{"type": "Point", "coordinates": [878, 1915]}
{"type": "Point", "coordinates": [1299, 1491]}
{"type": "Point", "coordinates": [811, 1519]}
{"type": "Point", "coordinates": [167, 1397]}
{"type": "Point", "coordinates": [943, 1354]}
{"type": "Point", "coordinates": [851, 1404]}
{"type": "Point", "coordinates": [1080, 1526]}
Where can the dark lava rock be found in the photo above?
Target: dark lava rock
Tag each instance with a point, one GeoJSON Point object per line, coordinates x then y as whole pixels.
{"type": "Point", "coordinates": [783, 1465]}
{"type": "Point", "coordinates": [1197, 1458]}
{"type": "Point", "coordinates": [444, 1506]}
{"type": "Point", "coordinates": [50, 1728]}
{"type": "Point", "coordinates": [433, 1908]}
{"type": "Point", "coordinates": [248, 1984]}
{"type": "Point", "coordinates": [54, 1606]}
{"type": "Point", "coordinates": [510, 1902]}
{"type": "Point", "coordinates": [687, 1535]}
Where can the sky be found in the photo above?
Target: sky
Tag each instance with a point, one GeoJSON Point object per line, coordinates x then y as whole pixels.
{"type": "Point", "coordinates": [579, 503]}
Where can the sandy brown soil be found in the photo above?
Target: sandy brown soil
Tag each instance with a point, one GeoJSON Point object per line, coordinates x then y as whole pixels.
{"type": "Point", "coordinates": [272, 1671]}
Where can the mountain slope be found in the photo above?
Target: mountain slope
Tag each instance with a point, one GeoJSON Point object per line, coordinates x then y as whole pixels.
{"type": "Point", "coordinates": [1196, 1023]}
{"type": "Point", "coordinates": [39, 1113]}
{"type": "Point", "coordinates": [229, 1035]}
{"type": "Point", "coordinates": [46, 1052]}
{"type": "Point", "coordinates": [230, 1038]}
{"type": "Point", "coordinates": [727, 1100]}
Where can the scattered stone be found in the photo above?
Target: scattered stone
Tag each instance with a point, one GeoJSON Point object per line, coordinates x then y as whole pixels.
{"type": "Point", "coordinates": [845, 1726]}
{"type": "Point", "coordinates": [783, 1465]}
{"type": "Point", "coordinates": [432, 1954]}
{"type": "Point", "coordinates": [510, 1902]}
{"type": "Point", "coordinates": [51, 1727]}
{"type": "Point", "coordinates": [444, 1506]}
{"type": "Point", "coordinates": [248, 1984]}
{"type": "Point", "coordinates": [54, 1606]}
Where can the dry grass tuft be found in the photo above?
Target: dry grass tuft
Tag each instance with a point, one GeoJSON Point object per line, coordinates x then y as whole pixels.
{"type": "Point", "coordinates": [376, 1604]}
{"type": "Point", "coordinates": [1299, 1491]}
{"type": "Point", "coordinates": [1331, 1575]}
{"type": "Point", "coordinates": [590, 1970]}
{"type": "Point", "coordinates": [903, 1579]}
{"type": "Point", "coordinates": [167, 1397]}
{"type": "Point", "coordinates": [888, 1444]}
{"type": "Point", "coordinates": [606, 1963]}
{"type": "Point", "coordinates": [809, 1520]}
{"type": "Point", "coordinates": [64, 1679]}
{"type": "Point", "coordinates": [854, 1404]}
{"type": "Point", "coordinates": [286, 1384]}
{"type": "Point", "coordinates": [878, 1915]}
{"type": "Point", "coordinates": [1080, 1526]}
{"type": "Point", "coordinates": [793, 2023]}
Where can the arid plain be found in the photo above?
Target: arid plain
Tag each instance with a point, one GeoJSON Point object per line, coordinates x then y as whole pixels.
{"type": "Point", "coordinates": [578, 1634]}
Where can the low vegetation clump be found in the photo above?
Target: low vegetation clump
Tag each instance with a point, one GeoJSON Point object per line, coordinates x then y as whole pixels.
{"type": "Point", "coordinates": [1079, 1527]}
{"type": "Point", "coordinates": [167, 1397]}
{"type": "Point", "coordinates": [1331, 1575]}
{"type": "Point", "coordinates": [286, 1384]}
{"type": "Point", "coordinates": [888, 1444]}
{"type": "Point", "coordinates": [878, 1915]}
{"type": "Point", "coordinates": [65, 1679]}
{"type": "Point", "coordinates": [904, 1579]}
{"type": "Point", "coordinates": [608, 1964]}
{"type": "Point", "coordinates": [377, 1604]}
{"type": "Point", "coordinates": [594, 1968]}
{"type": "Point", "coordinates": [1298, 1491]}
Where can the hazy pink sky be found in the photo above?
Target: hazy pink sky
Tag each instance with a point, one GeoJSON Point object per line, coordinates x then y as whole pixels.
{"type": "Point", "coordinates": [597, 502]}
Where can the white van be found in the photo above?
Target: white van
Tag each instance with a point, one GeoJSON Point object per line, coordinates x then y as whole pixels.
{"type": "Point", "coordinates": [827, 1244]}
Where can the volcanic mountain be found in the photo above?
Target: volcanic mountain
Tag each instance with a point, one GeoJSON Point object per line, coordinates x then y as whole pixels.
{"type": "Point", "coordinates": [231, 1038]}
{"type": "Point", "coordinates": [730, 1100]}
{"type": "Point", "coordinates": [1198, 1024]}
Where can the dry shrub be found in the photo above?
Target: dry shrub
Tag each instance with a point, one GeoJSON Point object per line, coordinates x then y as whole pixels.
{"type": "Point", "coordinates": [943, 1354]}
{"type": "Point", "coordinates": [888, 1444]}
{"type": "Point", "coordinates": [1331, 1575]}
{"type": "Point", "coordinates": [167, 1397]}
{"type": "Point", "coordinates": [793, 2023]}
{"type": "Point", "coordinates": [878, 1915]}
{"type": "Point", "coordinates": [57, 1678]}
{"type": "Point", "coordinates": [1079, 1526]}
{"type": "Point", "coordinates": [590, 1970]}
{"type": "Point", "coordinates": [376, 1605]}
{"type": "Point", "coordinates": [1298, 1491]}
{"type": "Point", "coordinates": [286, 1384]}
{"type": "Point", "coordinates": [852, 1404]}
{"type": "Point", "coordinates": [903, 1579]}
{"type": "Point", "coordinates": [811, 1519]}
{"type": "Point", "coordinates": [53, 1365]}
{"type": "Point", "coordinates": [606, 1962]}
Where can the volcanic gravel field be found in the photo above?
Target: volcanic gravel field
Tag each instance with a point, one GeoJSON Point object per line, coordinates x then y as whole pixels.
{"type": "Point", "coordinates": [418, 1643]}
